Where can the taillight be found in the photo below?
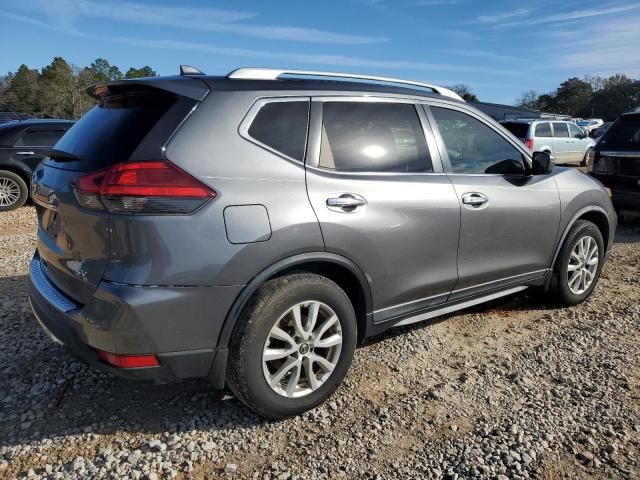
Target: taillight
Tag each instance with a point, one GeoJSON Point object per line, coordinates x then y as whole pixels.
{"type": "Point", "coordinates": [529, 143]}
{"type": "Point", "coordinates": [153, 187]}
{"type": "Point", "coordinates": [604, 165]}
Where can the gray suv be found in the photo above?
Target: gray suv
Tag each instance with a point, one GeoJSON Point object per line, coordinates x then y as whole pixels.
{"type": "Point", "coordinates": [252, 229]}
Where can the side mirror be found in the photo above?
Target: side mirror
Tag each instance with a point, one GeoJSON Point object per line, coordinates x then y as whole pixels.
{"type": "Point", "coordinates": [542, 163]}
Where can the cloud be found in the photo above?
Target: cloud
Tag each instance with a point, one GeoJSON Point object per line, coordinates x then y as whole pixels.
{"type": "Point", "coordinates": [292, 59]}
{"type": "Point", "coordinates": [575, 15]}
{"type": "Point", "coordinates": [65, 14]}
{"type": "Point", "coordinates": [432, 3]}
{"type": "Point", "coordinates": [486, 55]}
{"type": "Point", "coordinates": [499, 17]}
{"type": "Point", "coordinates": [611, 48]}
{"type": "Point", "coordinates": [40, 24]}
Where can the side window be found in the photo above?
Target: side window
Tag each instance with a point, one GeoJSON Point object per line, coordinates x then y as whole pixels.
{"type": "Point", "coordinates": [560, 130]}
{"type": "Point", "coordinates": [38, 138]}
{"type": "Point", "coordinates": [575, 131]}
{"type": "Point", "coordinates": [373, 137]}
{"type": "Point", "coordinates": [543, 130]}
{"type": "Point", "coordinates": [283, 127]}
{"type": "Point", "coordinates": [473, 147]}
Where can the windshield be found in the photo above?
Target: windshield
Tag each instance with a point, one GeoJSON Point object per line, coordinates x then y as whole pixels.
{"type": "Point", "coordinates": [624, 133]}
{"type": "Point", "coordinates": [582, 123]}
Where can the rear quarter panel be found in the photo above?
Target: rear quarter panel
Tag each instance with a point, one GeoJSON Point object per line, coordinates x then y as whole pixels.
{"type": "Point", "coordinates": [195, 250]}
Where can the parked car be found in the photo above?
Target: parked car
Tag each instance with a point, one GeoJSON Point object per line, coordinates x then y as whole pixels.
{"type": "Point", "coordinates": [598, 132]}
{"type": "Point", "coordinates": [252, 229]}
{"type": "Point", "coordinates": [22, 146]}
{"type": "Point", "coordinates": [590, 124]}
{"type": "Point", "coordinates": [567, 143]}
{"type": "Point", "coordinates": [616, 161]}
{"type": "Point", "coordinates": [13, 116]}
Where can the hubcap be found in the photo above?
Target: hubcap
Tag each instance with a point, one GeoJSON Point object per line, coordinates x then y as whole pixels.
{"type": "Point", "coordinates": [302, 349]}
{"type": "Point", "coordinates": [9, 192]}
{"type": "Point", "coordinates": [583, 265]}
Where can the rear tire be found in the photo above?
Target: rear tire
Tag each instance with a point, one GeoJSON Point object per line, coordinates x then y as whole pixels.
{"type": "Point", "coordinates": [575, 273]}
{"type": "Point", "coordinates": [584, 162]}
{"type": "Point", "coordinates": [13, 191]}
{"type": "Point", "coordinates": [274, 365]}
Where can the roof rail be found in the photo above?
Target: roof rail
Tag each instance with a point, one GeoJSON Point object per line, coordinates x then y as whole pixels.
{"type": "Point", "coordinates": [275, 74]}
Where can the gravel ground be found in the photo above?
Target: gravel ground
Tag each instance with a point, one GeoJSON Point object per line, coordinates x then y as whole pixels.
{"type": "Point", "coordinates": [513, 389]}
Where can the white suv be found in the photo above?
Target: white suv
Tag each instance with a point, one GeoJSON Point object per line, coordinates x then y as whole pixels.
{"type": "Point", "coordinates": [564, 140]}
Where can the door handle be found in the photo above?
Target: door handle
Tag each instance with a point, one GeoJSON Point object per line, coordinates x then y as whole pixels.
{"type": "Point", "coordinates": [474, 199]}
{"type": "Point", "coordinates": [345, 202]}
{"type": "Point", "coordinates": [24, 153]}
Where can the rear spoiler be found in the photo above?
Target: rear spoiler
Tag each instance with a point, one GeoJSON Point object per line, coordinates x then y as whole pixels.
{"type": "Point", "coordinates": [184, 86]}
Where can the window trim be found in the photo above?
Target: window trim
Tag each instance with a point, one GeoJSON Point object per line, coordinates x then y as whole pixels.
{"type": "Point", "coordinates": [490, 124]}
{"type": "Point", "coordinates": [252, 113]}
{"type": "Point", "coordinates": [315, 134]}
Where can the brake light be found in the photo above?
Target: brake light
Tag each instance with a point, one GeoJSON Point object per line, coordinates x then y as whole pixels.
{"type": "Point", "coordinates": [152, 187]}
{"type": "Point", "coordinates": [128, 361]}
{"type": "Point", "coordinates": [604, 165]}
{"type": "Point", "coordinates": [529, 143]}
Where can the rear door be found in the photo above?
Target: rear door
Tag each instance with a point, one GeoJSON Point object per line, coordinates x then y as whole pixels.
{"type": "Point", "coordinates": [73, 241]}
{"type": "Point", "coordinates": [561, 143]}
{"type": "Point", "coordinates": [33, 144]}
{"type": "Point", "coordinates": [509, 221]}
{"type": "Point", "coordinates": [376, 184]}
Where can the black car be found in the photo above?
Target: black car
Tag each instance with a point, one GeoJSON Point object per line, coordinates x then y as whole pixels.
{"type": "Point", "coordinates": [616, 161]}
{"type": "Point", "coordinates": [23, 144]}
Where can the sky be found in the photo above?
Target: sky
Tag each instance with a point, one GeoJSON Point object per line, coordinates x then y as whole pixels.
{"type": "Point", "coordinates": [499, 48]}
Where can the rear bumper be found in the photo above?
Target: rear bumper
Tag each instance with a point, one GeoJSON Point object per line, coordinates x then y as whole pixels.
{"type": "Point", "coordinates": [625, 191]}
{"type": "Point", "coordinates": [179, 325]}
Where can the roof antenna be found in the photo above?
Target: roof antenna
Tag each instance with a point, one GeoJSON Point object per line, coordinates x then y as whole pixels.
{"type": "Point", "coordinates": [189, 70]}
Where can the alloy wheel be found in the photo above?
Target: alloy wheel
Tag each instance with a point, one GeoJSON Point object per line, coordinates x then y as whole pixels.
{"type": "Point", "coordinates": [583, 265]}
{"type": "Point", "coordinates": [302, 349]}
{"type": "Point", "coordinates": [9, 192]}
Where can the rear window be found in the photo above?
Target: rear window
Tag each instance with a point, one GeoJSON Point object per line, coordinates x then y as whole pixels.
{"type": "Point", "coordinates": [282, 126]}
{"type": "Point", "coordinates": [111, 131]}
{"type": "Point", "coordinates": [543, 130]}
{"type": "Point", "coordinates": [520, 130]}
{"type": "Point", "coordinates": [623, 134]}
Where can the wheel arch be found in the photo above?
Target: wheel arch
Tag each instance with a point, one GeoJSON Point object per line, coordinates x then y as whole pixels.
{"type": "Point", "coordinates": [337, 268]}
{"type": "Point", "coordinates": [20, 170]}
{"type": "Point", "coordinates": [593, 213]}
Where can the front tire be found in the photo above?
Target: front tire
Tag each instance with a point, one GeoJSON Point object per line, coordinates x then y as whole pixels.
{"type": "Point", "coordinates": [13, 191]}
{"type": "Point", "coordinates": [293, 345]}
{"type": "Point", "coordinates": [579, 263]}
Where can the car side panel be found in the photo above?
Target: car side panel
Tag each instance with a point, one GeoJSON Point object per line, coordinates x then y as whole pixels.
{"type": "Point", "coordinates": [195, 250]}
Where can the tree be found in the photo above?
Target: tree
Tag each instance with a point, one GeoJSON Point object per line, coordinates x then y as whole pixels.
{"type": "Point", "coordinates": [145, 71]}
{"type": "Point", "coordinates": [619, 94]}
{"type": "Point", "coordinates": [573, 97]}
{"type": "Point", "coordinates": [102, 71]}
{"type": "Point", "coordinates": [529, 99]}
{"type": "Point", "coordinates": [464, 91]}
{"type": "Point", "coordinates": [22, 92]}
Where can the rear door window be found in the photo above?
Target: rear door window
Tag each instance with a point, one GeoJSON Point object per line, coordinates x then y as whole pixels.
{"type": "Point", "coordinates": [560, 130]}
{"type": "Point", "coordinates": [32, 137]}
{"type": "Point", "coordinates": [373, 137]}
{"type": "Point", "coordinates": [282, 126]}
{"type": "Point", "coordinates": [543, 130]}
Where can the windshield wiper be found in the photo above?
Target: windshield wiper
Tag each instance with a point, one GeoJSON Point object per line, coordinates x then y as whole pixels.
{"type": "Point", "coordinates": [62, 156]}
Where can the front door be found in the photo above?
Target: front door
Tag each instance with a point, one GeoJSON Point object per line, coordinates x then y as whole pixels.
{"type": "Point", "coordinates": [509, 221]}
{"type": "Point", "coordinates": [376, 184]}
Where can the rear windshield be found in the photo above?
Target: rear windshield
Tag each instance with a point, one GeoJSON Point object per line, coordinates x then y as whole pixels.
{"type": "Point", "coordinates": [623, 134]}
{"type": "Point", "coordinates": [518, 129]}
{"type": "Point", "coordinates": [110, 132]}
